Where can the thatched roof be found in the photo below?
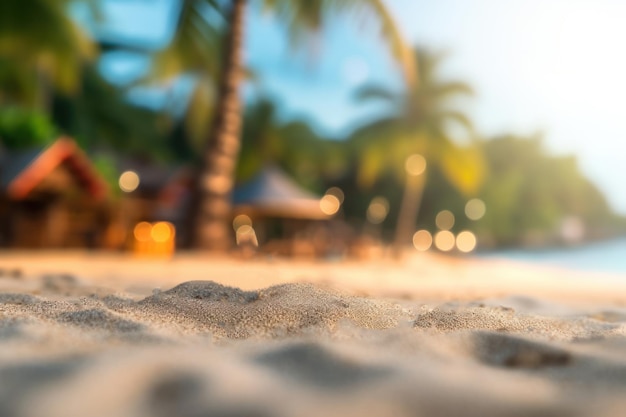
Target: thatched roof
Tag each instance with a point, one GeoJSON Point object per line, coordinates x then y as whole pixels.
{"type": "Point", "coordinates": [272, 193]}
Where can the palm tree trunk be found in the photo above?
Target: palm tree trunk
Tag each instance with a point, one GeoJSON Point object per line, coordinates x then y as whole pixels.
{"type": "Point", "coordinates": [409, 208]}
{"type": "Point", "coordinates": [211, 205]}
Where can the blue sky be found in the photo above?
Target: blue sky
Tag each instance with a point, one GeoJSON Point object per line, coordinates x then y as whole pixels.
{"type": "Point", "coordinates": [555, 66]}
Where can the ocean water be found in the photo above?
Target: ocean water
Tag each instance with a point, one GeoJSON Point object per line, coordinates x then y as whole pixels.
{"type": "Point", "coordinates": [606, 257]}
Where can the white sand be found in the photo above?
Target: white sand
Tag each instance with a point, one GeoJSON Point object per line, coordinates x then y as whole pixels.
{"type": "Point", "coordinates": [103, 335]}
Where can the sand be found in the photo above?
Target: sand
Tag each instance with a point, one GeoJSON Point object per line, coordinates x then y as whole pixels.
{"type": "Point", "coordinates": [110, 335]}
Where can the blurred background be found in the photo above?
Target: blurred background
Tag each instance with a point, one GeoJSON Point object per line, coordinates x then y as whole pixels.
{"type": "Point", "coordinates": [320, 129]}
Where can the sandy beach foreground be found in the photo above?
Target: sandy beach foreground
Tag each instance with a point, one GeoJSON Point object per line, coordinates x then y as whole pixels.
{"type": "Point", "coordinates": [107, 335]}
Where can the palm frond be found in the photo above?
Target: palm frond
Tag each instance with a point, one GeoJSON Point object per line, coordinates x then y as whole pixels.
{"type": "Point", "coordinates": [400, 49]}
{"type": "Point", "coordinates": [459, 118]}
{"type": "Point", "coordinates": [453, 88]}
{"type": "Point", "coordinates": [43, 37]}
{"type": "Point", "coordinates": [199, 109]}
{"type": "Point", "coordinates": [195, 47]}
{"type": "Point", "coordinates": [376, 92]}
{"type": "Point", "coordinates": [464, 167]}
{"type": "Point", "coordinates": [304, 18]}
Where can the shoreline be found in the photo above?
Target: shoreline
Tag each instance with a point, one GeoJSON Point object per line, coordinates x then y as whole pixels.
{"type": "Point", "coordinates": [415, 277]}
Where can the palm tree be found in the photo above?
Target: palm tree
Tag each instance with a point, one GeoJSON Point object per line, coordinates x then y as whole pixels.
{"type": "Point", "coordinates": [419, 122]}
{"type": "Point", "coordinates": [40, 46]}
{"type": "Point", "coordinates": [195, 51]}
{"type": "Point", "coordinates": [210, 208]}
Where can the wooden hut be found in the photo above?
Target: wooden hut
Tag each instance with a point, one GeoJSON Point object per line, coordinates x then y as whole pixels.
{"type": "Point", "coordinates": [286, 219]}
{"type": "Point", "coordinates": [51, 197]}
{"type": "Point", "coordinates": [279, 216]}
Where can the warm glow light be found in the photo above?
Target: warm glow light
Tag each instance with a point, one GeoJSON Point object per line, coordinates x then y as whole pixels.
{"type": "Point", "coordinates": [246, 234]}
{"type": "Point", "coordinates": [330, 204]}
{"type": "Point", "coordinates": [129, 181]}
{"type": "Point", "coordinates": [415, 165]}
{"type": "Point", "coordinates": [156, 239]}
{"type": "Point", "coordinates": [142, 231]}
{"type": "Point", "coordinates": [378, 210]}
{"type": "Point", "coordinates": [337, 192]}
{"type": "Point", "coordinates": [445, 220]}
{"type": "Point", "coordinates": [241, 220]}
{"type": "Point", "coordinates": [161, 232]}
{"type": "Point", "coordinates": [475, 209]}
{"type": "Point", "coordinates": [466, 241]}
{"type": "Point", "coordinates": [422, 240]}
{"type": "Point", "coordinates": [445, 241]}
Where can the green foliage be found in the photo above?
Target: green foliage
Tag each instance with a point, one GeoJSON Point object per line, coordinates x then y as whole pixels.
{"type": "Point", "coordinates": [295, 146]}
{"type": "Point", "coordinates": [420, 122]}
{"type": "Point", "coordinates": [107, 169]}
{"type": "Point", "coordinates": [100, 117]}
{"type": "Point", "coordinates": [39, 46]}
{"type": "Point", "coordinates": [23, 129]}
{"type": "Point", "coordinates": [529, 193]}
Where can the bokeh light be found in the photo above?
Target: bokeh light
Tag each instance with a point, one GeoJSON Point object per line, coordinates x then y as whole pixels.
{"type": "Point", "coordinates": [129, 181]}
{"type": "Point", "coordinates": [475, 209]}
{"type": "Point", "coordinates": [330, 204]}
{"type": "Point", "coordinates": [377, 210]}
{"type": "Point", "coordinates": [241, 220]}
{"type": "Point", "coordinates": [466, 241]}
{"type": "Point", "coordinates": [246, 234]}
{"type": "Point", "coordinates": [415, 165]}
{"type": "Point", "coordinates": [445, 220]}
{"type": "Point", "coordinates": [337, 192]}
{"type": "Point", "coordinates": [445, 241]}
{"type": "Point", "coordinates": [142, 231]}
{"type": "Point", "coordinates": [162, 232]}
{"type": "Point", "coordinates": [422, 240]}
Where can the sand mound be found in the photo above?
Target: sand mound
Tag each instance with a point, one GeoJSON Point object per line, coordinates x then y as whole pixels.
{"type": "Point", "coordinates": [449, 318]}
{"type": "Point", "coordinates": [283, 310]}
{"type": "Point", "coordinates": [205, 349]}
{"type": "Point", "coordinates": [99, 318]}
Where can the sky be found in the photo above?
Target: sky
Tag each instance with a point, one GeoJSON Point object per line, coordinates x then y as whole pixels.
{"type": "Point", "coordinates": [550, 66]}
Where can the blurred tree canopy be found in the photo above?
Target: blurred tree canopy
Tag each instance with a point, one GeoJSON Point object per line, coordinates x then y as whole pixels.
{"type": "Point", "coordinates": [24, 129]}
{"type": "Point", "coordinates": [50, 84]}
{"type": "Point", "coordinates": [419, 121]}
{"type": "Point", "coordinates": [312, 160]}
{"type": "Point", "coordinates": [529, 194]}
{"type": "Point", "coordinates": [41, 47]}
